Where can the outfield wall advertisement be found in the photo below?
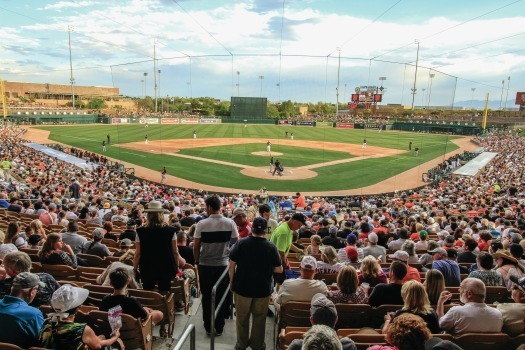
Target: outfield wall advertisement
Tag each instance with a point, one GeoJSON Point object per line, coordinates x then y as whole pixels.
{"type": "Point", "coordinates": [304, 123]}
{"type": "Point", "coordinates": [209, 121]}
{"type": "Point", "coordinates": [189, 120]}
{"type": "Point", "coordinates": [119, 120]}
{"type": "Point", "coordinates": [169, 121]}
{"type": "Point", "coordinates": [284, 122]}
{"type": "Point", "coordinates": [324, 124]}
{"type": "Point", "coordinates": [345, 125]}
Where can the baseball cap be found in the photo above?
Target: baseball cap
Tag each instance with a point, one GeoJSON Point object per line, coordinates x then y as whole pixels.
{"type": "Point", "coordinates": [449, 241]}
{"type": "Point", "coordinates": [399, 255]}
{"type": "Point", "coordinates": [332, 229]}
{"type": "Point", "coordinates": [323, 310]}
{"type": "Point", "coordinates": [309, 263]}
{"type": "Point", "coordinates": [107, 205]}
{"type": "Point", "coordinates": [26, 280]}
{"type": "Point", "coordinates": [7, 248]}
{"type": "Point", "coordinates": [351, 253]}
{"type": "Point", "coordinates": [126, 242]}
{"type": "Point", "coordinates": [237, 212]}
{"type": "Point", "coordinates": [98, 233]}
{"type": "Point", "coordinates": [351, 238]}
{"type": "Point", "coordinates": [299, 217]}
{"type": "Point", "coordinates": [260, 224]}
{"type": "Point", "coordinates": [68, 297]}
{"type": "Point", "coordinates": [438, 250]}
{"type": "Point", "coordinates": [423, 233]}
{"type": "Point", "coordinates": [372, 237]}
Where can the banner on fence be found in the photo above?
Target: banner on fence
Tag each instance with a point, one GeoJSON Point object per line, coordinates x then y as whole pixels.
{"type": "Point", "coordinates": [284, 122]}
{"type": "Point", "coordinates": [324, 124]}
{"type": "Point", "coordinates": [149, 121]}
{"type": "Point", "coordinates": [346, 125]}
{"type": "Point", "coordinates": [119, 120]}
{"type": "Point", "coordinates": [189, 120]}
{"type": "Point", "coordinates": [304, 123]}
{"type": "Point", "coordinates": [209, 121]}
{"type": "Point", "coordinates": [169, 121]}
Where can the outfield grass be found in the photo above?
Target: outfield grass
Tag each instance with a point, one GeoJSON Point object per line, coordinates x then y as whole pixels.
{"type": "Point", "coordinates": [336, 177]}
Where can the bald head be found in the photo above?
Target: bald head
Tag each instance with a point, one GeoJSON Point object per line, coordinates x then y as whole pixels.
{"type": "Point", "coordinates": [474, 288]}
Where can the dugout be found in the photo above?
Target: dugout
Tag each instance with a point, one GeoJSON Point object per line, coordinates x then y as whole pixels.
{"type": "Point", "coordinates": [249, 109]}
{"type": "Point", "coordinates": [42, 118]}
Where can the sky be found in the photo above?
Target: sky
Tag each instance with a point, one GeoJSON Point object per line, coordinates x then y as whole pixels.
{"type": "Point", "coordinates": [299, 50]}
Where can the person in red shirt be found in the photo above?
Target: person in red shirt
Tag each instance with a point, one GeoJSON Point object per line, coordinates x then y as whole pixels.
{"type": "Point", "coordinates": [412, 272]}
{"type": "Point", "coordinates": [243, 225]}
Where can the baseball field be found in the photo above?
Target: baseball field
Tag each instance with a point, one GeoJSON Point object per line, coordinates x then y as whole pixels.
{"type": "Point", "coordinates": [232, 157]}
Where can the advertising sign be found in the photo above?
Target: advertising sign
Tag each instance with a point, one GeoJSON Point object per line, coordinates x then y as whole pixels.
{"type": "Point", "coordinates": [520, 98]}
{"type": "Point", "coordinates": [169, 121]}
{"type": "Point", "coordinates": [119, 120]}
{"type": "Point", "coordinates": [284, 122]}
{"type": "Point", "coordinates": [189, 120]}
{"type": "Point", "coordinates": [209, 121]}
{"type": "Point", "coordinates": [345, 125]}
{"type": "Point", "coordinates": [324, 124]}
{"type": "Point", "coordinates": [304, 123]}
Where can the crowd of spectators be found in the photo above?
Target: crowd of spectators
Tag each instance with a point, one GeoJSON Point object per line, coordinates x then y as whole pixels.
{"type": "Point", "coordinates": [477, 220]}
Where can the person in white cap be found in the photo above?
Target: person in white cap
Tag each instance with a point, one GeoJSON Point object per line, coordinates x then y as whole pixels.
{"type": "Point", "coordinates": [60, 331]}
{"type": "Point", "coordinates": [373, 249]}
{"type": "Point", "coordinates": [19, 322]}
{"type": "Point", "coordinates": [302, 288]}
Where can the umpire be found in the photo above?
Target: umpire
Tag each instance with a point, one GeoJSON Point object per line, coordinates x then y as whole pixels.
{"type": "Point", "coordinates": [253, 260]}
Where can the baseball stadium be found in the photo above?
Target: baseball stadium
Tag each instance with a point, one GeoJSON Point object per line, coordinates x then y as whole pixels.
{"type": "Point", "coordinates": [262, 175]}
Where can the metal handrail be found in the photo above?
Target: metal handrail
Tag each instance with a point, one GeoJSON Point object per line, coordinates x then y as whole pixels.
{"type": "Point", "coordinates": [190, 331]}
{"type": "Point", "coordinates": [216, 310]}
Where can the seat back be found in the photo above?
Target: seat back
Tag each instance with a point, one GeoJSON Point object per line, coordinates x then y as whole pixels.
{"type": "Point", "coordinates": [88, 274]}
{"type": "Point", "coordinates": [180, 288]}
{"type": "Point", "coordinates": [290, 334]}
{"type": "Point", "coordinates": [60, 272]}
{"type": "Point", "coordinates": [482, 341]}
{"type": "Point", "coordinates": [328, 278]}
{"type": "Point", "coordinates": [294, 313]}
{"type": "Point", "coordinates": [364, 341]}
{"type": "Point", "coordinates": [499, 294]}
{"type": "Point", "coordinates": [92, 260]}
{"type": "Point", "coordinates": [353, 315]}
{"type": "Point", "coordinates": [157, 301]}
{"type": "Point", "coordinates": [377, 316]}
{"type": "Point", "coordinates": [96, 294]}
{"type": "Point", "coordinates": [135, 333]}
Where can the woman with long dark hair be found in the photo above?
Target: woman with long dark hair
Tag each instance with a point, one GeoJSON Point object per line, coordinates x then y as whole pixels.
{"type": "Point", "coordinates": [157, 256]}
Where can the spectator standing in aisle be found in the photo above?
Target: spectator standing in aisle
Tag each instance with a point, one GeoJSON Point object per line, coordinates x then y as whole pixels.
{"type": "Point", "coordinates": [253, 261]}
{"type": "Point", "coordinates": [211, 249]}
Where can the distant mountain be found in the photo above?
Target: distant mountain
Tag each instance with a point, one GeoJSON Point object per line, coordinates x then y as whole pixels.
{"type": "Point", "coordinates": [480, 104]}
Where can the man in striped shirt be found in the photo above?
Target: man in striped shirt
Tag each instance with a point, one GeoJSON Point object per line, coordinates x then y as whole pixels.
{"type": "Point", "coordinates": [211, 249]}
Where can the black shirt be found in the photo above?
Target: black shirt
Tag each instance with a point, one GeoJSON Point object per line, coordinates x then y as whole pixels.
{"type": "Point", "coordinates": [256, 258]}
{"type": "Point", "coordinates": [187, 253]}
{"type": "Point", "coordinates": [467, 257]}
{"type": "Point", "coordinates": [323, 232]}
{"type": "Point", "coordinates": [431, 319]}
{"type": "Point", "coordinates": [335, 242]}
{"type": "Point", "coordinates": [187, 221]}
{"type": "Point", "coordinates": [386, 293]}
{"type": "Point", "coordinates": [129, 234]}
{"type": "Point", "coordinates": [130, 306]}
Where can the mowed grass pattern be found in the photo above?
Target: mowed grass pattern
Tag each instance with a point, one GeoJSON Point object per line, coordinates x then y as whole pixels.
{"type": "Point", "coordinates": [330, 178]}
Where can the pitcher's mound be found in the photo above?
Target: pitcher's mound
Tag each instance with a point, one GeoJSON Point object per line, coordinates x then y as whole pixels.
{"type": "Point", "coordinates": [267, 154]}
{"type": "Point", "coordinates": [288, 173]}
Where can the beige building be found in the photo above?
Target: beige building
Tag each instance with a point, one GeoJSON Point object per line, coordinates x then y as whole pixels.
{"type": "Point", "coordinates": [19, 94]}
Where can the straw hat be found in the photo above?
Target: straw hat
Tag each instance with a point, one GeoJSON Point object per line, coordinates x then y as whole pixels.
{"type": "Point", "coordinates": [154, 206]}
{"type": "Point", "coordinates": [504, 254]}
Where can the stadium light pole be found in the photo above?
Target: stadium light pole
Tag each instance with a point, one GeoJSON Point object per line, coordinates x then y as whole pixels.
{"type": "Point", "coordinates": [414, 90]}
{"type": "Point", "coordinates": [142, 87]}
{"type": "Point", "coordinates": [344, 94]}
{"type": "Point", "coordinates": [262, 78]}
{"type": "Point", "coordinates": [145, 75]}
{"type": "Point", "coordinates": [71, 79]}
{"type": "Point", "coordinates": [501, 98]}
{"type": "Point", "coordinates": [238, 83]}
{"type": "Point", "coordinates": [423, 96]}
{"type": "Point", "coordinates": [472, 98]}
{"type": "Point", "coordinates": [430, 89]}
{"type": "Point", "coordinates": [161, 101]}
{"type": "Point", "coordinates": [507, 97]}
{"type": "Point", "coordinates": [337, 89]}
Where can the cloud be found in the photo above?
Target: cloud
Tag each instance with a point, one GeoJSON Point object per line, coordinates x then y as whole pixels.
{"type": "Point", "coordinates": [67, 4]}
